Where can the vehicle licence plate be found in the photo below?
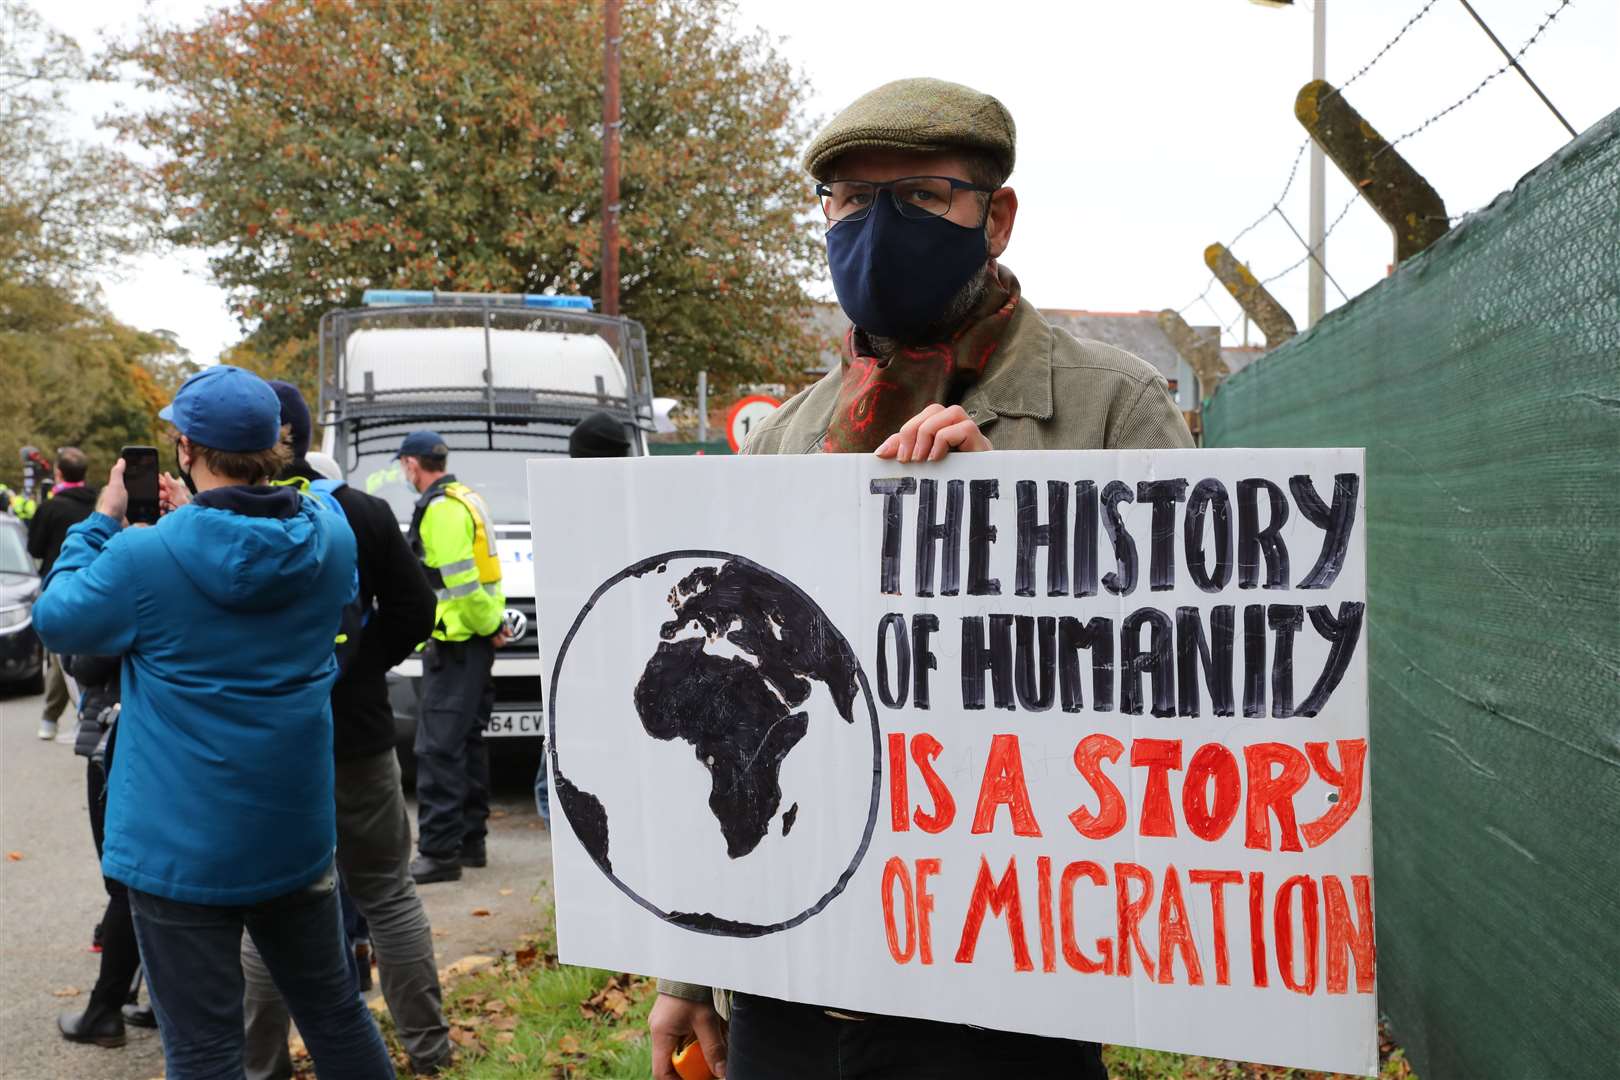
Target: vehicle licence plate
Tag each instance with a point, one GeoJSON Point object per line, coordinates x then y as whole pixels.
{"type": "Point", "coordinates": [514, 723]}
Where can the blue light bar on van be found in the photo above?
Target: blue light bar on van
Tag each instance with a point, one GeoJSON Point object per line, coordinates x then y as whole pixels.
{"type": "Point", "coordinates": [391, 297]}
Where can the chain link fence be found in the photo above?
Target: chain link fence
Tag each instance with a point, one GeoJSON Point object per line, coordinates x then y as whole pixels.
{"type": "Point", "coordinates": [1483, 378]}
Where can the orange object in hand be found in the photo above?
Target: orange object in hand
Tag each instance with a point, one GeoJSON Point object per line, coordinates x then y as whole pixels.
{"type": "Point", "coordinates": [690, 1064]}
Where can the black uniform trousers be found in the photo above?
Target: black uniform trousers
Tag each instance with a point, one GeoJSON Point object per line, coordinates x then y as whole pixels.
{"type": "Point", "coordinates": [779, 1040]}
{"type": "Point", "coordinates": [120, 955]}
{"type": "Point", "coordinates": [452, 764]}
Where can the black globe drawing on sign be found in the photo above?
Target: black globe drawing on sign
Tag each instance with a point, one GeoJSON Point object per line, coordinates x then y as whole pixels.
{"type": "Point", "coordinates": [741, 668]}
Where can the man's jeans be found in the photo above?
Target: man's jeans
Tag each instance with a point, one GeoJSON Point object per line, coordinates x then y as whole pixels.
{"type": "Point", "coordinates": [542, 787]}
{"type": "Point", "coordinates": [194, 977]}
{"type": "Point", "coordinates": [374, 852]}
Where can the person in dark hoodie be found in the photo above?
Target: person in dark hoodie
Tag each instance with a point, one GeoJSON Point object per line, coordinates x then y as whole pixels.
{"type": "Point", "coordinates": [111, 1004]}
{"type": "Point", "coordinates": [373, 831]}
{"type": "Point", "coordinates": [70, 504]}
{"type": "Point", "coordinates": [220, 814]}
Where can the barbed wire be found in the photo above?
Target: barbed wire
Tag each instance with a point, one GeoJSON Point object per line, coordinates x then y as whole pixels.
{"type": "Point", "coordinates": [1276, 205]}
{"type": "Point", "coordinates": [1275, 208]}
{"type": "Point", "coordinates": [1208, 285]}
{"type": "Point", "coordinates": [1483, 83]}
{"type": "Point", "coordinates": [1299, 155]}
{"type": "Point", "coordinates": [1305, 258]}
{"type": "Point", "coordinates": [1388, 45]}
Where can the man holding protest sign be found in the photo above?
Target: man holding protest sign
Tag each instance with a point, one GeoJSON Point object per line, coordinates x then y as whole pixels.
{"type": "Point", "coordinates": [943, 354]}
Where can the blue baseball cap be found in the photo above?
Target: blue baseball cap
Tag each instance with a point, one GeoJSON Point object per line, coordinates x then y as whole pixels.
{"type": "Point", "coordinates": [423, 444]}
{"type": "Point", "coordinates": [226, 408]}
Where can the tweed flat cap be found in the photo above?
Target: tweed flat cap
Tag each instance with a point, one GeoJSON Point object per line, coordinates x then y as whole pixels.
{"type": "Point", "coordinates": [928, 115]}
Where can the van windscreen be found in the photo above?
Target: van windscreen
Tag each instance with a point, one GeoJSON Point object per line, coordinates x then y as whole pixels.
{"type": "Point", "coordinates": [499, 475]}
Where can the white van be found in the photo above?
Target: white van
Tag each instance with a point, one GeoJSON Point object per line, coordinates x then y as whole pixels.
{"type": "Point", "coordinates": [503, 378]}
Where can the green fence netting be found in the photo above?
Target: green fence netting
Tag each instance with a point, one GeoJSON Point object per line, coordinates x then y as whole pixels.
{"type": "Point", "coordinates": [677, 449]}
{"type": "Point", "coordinates": [1483, 378]}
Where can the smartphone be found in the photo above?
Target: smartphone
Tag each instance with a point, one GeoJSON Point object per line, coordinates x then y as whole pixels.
{"type": "Point", "coordinates": [141, 481]}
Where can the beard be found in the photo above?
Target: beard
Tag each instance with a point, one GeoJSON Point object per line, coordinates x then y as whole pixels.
{"type": "Point", "coordinates": [957, 313]}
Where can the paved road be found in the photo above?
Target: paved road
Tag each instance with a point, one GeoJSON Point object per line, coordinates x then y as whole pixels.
{"type": "Point", "coordinates": [51, 899]}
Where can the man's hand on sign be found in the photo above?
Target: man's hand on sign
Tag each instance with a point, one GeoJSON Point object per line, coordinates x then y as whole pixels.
{"type": "Point", "coordinates": [502, 636]}
{"type": "Point", "coordinates": [674, 1022]}
{"type": "Point", "coordinates": [932, 434]}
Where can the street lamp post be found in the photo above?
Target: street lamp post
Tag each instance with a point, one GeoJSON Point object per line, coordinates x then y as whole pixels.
{"type": "Point", "coordinates": [1316, 282]}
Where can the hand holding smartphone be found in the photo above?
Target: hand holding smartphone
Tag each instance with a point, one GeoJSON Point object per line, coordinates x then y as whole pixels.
{"type": "Point", "coordinates": [141, 483]}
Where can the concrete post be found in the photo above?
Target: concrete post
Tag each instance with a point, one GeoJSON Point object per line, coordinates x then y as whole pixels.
{"type": "Point", "coordinates": [1401, 196]}
{"type": "Point", "coordinates": [1271, 317]}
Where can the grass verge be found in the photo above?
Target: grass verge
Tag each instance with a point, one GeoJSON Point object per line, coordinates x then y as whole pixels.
{"type": "Point", "coordinates": [529, 1017]}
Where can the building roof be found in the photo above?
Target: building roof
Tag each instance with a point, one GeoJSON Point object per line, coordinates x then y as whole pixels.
{"type": "Point", "coordinates": [1137, 332]}
{"type": "Point", "coordinates": [1238, 357]}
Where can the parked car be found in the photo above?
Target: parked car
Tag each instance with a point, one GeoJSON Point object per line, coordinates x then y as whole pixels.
{"type": "Point", "coordinates": [22, 657]}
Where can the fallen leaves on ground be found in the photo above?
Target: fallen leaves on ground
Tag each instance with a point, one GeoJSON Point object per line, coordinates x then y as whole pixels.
{"type": "Point", "coordinates": [480, 912]}
{"type": "Point", "coordinates": [66, 992]}
{"type": "Point", "coordinates": [612, 1001]}
{"type": "Point", "coordinates": [14, 856]}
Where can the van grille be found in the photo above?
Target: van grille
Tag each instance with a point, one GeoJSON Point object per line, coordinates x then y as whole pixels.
{"type": "Point", "coordinates": [526, 647]}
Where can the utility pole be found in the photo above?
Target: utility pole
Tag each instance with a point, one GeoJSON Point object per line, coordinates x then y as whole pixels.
{"type": "Point", "coordinates": [610, 157]}
{"type": "Point", "coordinates": [703, 406]}
{"type": "Point", "coordinates": [1317, 285]}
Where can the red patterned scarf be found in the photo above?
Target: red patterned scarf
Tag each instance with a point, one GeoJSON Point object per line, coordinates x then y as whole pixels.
{"type": "Point", "coordinates": [875, 397]}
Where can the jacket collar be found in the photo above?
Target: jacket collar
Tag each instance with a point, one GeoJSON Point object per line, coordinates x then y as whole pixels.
{"type": "Point", "coordinates": [434, 490]}
{"type": "Point", "coordinates": [262, 501]}
{"type": "Point", "coordinates": [1018, 380]}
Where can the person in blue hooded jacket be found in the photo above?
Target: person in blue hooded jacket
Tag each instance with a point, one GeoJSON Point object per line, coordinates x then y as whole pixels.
{"type": "Point", "coordinates": [220, 812]}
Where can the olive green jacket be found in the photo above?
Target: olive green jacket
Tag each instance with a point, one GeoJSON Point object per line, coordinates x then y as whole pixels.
{"type": "Point", "coordinates": [1044, 389]}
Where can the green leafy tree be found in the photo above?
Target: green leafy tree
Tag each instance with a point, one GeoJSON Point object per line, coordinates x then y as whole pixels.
{"type": "Point", "coordinates": [319, 149]}
{"type": "Point", "coordinates": [70, 374]}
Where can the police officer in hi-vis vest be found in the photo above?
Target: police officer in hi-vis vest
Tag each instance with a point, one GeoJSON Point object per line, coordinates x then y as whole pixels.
{"type": "Point", "coordinates": [451, 532]}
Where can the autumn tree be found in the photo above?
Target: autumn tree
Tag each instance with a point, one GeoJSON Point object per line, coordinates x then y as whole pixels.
{"type": "Point", "coordinates": [70, 373]}
{"type": "Point", "coordinates": [317, 149]}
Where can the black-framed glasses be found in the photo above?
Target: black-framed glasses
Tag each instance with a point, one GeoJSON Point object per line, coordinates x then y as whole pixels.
{"type": "Point", "coordinates": [915, 197]}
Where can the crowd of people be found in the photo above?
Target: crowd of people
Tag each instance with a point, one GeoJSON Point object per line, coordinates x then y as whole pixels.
{"type": "Point", "coordinates": [235, 655]}
{"type": "Point", "coordinates": [235, 652]}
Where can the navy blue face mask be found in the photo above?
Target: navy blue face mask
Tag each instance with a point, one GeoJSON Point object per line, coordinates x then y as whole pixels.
{"type": "Point", "coordinates": [894, 276]}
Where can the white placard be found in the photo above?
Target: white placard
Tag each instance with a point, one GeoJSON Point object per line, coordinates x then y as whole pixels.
{"type": "Point", "coordinates": [1043, 770]}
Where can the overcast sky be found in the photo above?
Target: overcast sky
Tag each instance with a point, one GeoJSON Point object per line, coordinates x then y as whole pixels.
{"type": "Point", "coordinates": [1147, 129]}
